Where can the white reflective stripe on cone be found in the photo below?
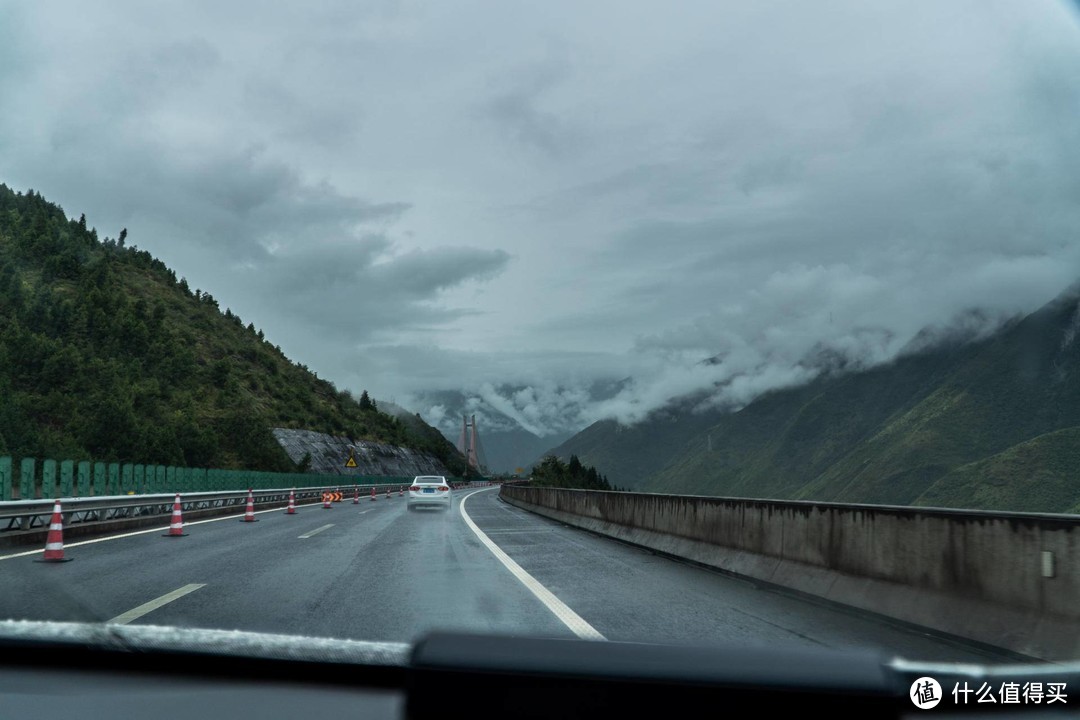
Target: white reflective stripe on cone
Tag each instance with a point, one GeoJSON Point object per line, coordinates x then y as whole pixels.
{"type": "Point", "coordinates": [54, 546]}
{"type": "Point", "coordinates": [56, 526]}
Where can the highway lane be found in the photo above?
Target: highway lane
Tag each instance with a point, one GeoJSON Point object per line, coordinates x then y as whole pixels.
{"type": "Point", "coordinates": [379, 573]}
{"type": "Point", "coordinates": [376, 572]}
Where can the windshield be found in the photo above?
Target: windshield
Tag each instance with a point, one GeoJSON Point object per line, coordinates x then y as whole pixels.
{"type": "Point", "coordinates": [725, 323]}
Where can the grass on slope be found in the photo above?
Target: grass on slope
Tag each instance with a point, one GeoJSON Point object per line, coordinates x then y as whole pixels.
{"type": "Point", "coordinates": [1038, 475]}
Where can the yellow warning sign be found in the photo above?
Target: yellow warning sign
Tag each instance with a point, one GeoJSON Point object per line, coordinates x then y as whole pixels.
{"type": "Point", "coordinates": [351, 462]}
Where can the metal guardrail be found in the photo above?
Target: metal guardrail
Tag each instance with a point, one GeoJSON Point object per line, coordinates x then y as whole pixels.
{"type": "Point", "coordinates": [27, 515]}
{"type": "Point", "coordinates": [22, 516]}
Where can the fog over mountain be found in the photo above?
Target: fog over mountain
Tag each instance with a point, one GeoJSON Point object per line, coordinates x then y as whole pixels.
{"type": "Point", "coordinates": [518, 201]}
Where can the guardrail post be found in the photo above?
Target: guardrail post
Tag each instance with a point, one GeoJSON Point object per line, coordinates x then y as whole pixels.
{"type": "Point", "coordinates": [48, 479]}
{"type": "Point", "coordinates": [6, 480]}
{"type": "Point", "coordinates": [67, 469]}
{"type": "Point", "coordinates": [27, 481]}
{"type": "Point", "coordinates": [100, 485]}
{"type": "Point", "coordinates": [84, 478]}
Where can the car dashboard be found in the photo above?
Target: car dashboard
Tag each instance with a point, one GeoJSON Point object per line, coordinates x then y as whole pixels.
{"type": "Point", "coordinates": [101, 671]}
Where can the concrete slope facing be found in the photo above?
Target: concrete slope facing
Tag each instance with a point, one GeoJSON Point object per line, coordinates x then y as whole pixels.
{"type": "Point", "coordinates": [330, 455]}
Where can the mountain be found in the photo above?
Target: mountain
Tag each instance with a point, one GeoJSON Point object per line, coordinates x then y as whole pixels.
{"type": "Point", "coordinates": [515, 449]}
{"type": "Point", "coordinates": [958, 420]}
{"type": "Point", "coordinates": [106, 354]}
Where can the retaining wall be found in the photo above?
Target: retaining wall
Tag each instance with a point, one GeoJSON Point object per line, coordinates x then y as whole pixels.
{"type": "Point", "coordinates": [1004, 579]}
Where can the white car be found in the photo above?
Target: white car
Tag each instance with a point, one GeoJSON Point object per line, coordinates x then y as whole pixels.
{"type": "Point", "coordinates": [429, 490]}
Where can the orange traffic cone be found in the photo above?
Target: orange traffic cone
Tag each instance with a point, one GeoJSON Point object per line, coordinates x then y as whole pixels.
{"type": "Point", "coordinates": [292, 503]}
{"type": "Point", "coordinates": [356, 495]}
{"type": "Point", "coordinates": [54, 543]}
{"type": "Point", "coordinates": [400, 491]}
{"type": "Point", "coordinates": [326, 504]}
{"type": "Point", "coordinates": [249, 514]}
{"type": "Point", "coordinates": [387, 493]}
{"type": "Point", "coordinates": [176, 529]}
{"type": "Point", "coordinates": [373, 498]}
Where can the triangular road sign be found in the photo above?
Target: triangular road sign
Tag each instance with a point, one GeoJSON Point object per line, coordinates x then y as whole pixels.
{"type": "Point", "coordinates": [351, 462]}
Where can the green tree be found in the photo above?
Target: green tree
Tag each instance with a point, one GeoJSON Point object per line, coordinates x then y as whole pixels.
{"type": "Point", "coordinates": [221, 373]}
{"type": "Point", "coordinates": [574, 468]}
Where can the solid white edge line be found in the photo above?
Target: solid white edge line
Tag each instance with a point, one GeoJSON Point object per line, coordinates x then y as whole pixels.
{"type": "Point", "coordinates": [136, 613]}
{"type": "Point", "coordinates": [316, 531]}
{"type": "Point", "coordinates": [569, 618]}
{"type": "Point", "coordinates": [152, 530]}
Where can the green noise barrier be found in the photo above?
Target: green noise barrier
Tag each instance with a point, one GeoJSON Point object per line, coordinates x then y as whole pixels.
{"type": "Point", "coordinates": [89, 478]}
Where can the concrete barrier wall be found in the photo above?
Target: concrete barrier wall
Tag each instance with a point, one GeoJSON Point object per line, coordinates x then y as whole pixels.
{"type": "Point", "coordinates": [976, 575]}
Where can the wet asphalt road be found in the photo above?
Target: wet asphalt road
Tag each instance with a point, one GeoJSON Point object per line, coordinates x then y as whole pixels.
{"type": "Point", "coordinates": [381, 573]}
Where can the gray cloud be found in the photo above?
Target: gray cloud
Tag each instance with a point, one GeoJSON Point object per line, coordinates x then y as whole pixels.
{"type": "Point", "coordinates": [516, 201]}
{"type": "Point", "coordinates": [365, 288]}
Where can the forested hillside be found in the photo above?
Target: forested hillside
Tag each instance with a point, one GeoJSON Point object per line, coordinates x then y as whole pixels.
{"type": "Point", "coordinates": [105, 353]}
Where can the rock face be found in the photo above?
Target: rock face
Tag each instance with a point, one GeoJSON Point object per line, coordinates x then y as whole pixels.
{"type": "Point", "coordinates": [329, 455]}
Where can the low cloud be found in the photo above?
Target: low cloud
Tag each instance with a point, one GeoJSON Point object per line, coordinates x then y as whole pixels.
{"type": "Point", "coordinates": [517, 203]}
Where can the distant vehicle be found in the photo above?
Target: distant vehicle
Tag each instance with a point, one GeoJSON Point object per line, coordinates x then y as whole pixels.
{"type": "Point", "coordinates": [430, 491]}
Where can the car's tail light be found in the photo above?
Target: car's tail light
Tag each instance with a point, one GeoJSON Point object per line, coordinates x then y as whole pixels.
{"type": "Point", "coordinates": [414, 488]}
{"type": "Point", "coordinates": [443, 488]}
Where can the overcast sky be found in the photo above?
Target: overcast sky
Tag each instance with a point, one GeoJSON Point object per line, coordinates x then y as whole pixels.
{"type": "Point", "coordinates": [419, 196]}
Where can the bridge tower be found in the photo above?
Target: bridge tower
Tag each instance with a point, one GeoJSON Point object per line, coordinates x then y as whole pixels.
{"type": "Point", "coordinates": [469, 446]}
